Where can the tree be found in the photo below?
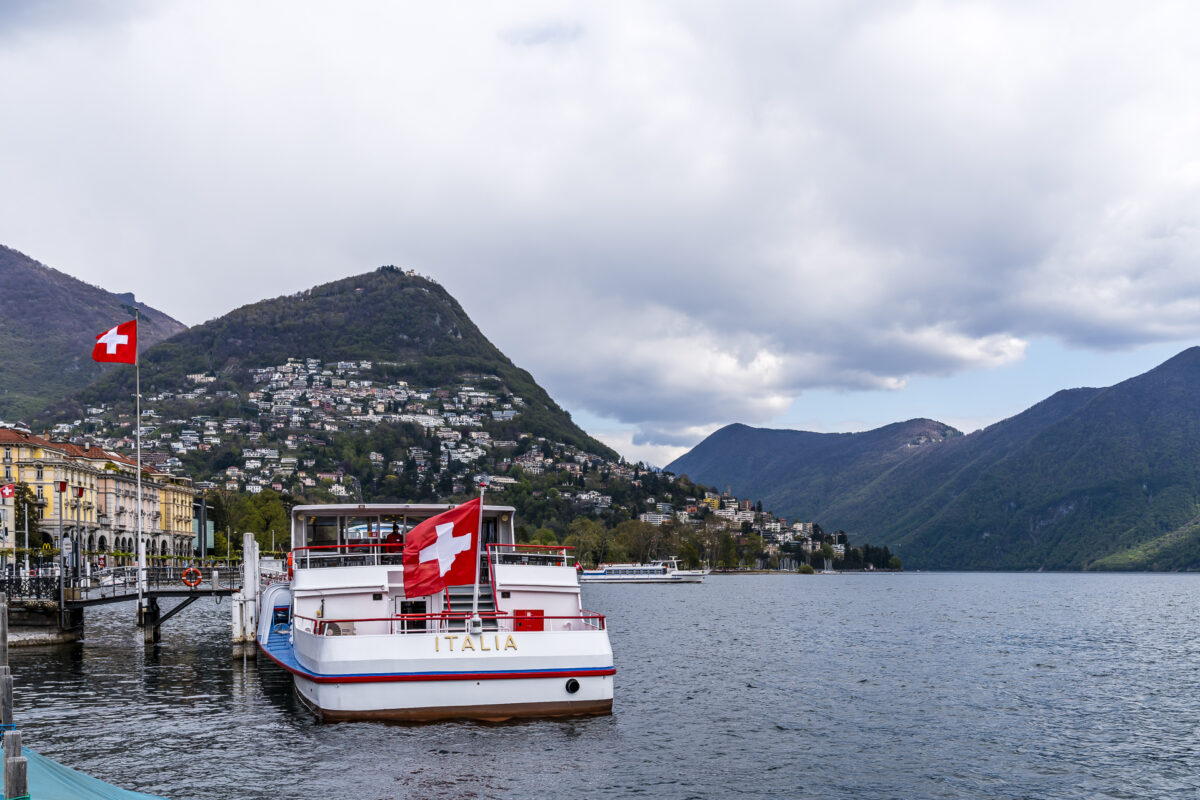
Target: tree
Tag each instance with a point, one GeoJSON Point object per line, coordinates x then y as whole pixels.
{"type": "Point", "coordinates": [728, 551]}
{"type": "Point", "coordinates": [25, 503]}
{"type": "Point", "coordinates": [544, 536]}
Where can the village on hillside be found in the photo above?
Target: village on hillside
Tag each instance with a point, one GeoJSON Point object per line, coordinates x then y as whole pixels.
{"type": "Point", "coordinates": [283, 428]}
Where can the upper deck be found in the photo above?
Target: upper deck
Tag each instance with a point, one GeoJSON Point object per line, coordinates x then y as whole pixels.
{"type": "Point", "coordinates": [334, 532]}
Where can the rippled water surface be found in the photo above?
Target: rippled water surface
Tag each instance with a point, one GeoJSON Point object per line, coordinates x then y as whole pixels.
{"type": "Point", "coordinates": [855, 686]}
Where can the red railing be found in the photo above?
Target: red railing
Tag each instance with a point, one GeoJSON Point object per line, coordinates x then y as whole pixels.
{"type": "Point", "coordinates": [441, 622]}
{"type": "Point", "coordinates": [548, 560]}
{"type": "Point", "coordinates": [370, 554]}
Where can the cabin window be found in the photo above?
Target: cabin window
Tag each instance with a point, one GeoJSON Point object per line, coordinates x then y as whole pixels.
{"type": "Point", "coordinates": [322, 531]}
{"type": "Point", "coordinates": [360, 529]}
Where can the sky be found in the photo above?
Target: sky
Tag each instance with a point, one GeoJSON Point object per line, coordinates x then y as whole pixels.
{"type": "Point", "coordinates": [676, 215]}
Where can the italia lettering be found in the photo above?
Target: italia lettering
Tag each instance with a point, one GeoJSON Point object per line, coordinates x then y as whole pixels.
{"type": "Point", "coordinates": [470, 644]}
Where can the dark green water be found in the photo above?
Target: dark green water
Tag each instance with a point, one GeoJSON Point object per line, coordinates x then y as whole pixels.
{"type": "Point", "coordinates": [871, 686]}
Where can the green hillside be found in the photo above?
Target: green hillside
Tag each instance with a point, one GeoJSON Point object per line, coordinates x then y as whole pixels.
{"type": "Point", "coordinates": [51, 321]}
{"type": "Point", "coordinates": [1087, 479]}
{"type": "Point", "coordinates": [410, 326]}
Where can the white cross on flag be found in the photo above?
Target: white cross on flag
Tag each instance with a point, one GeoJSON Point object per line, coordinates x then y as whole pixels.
{"type": "Point", "coordinates": [8, 490]}
{"type": "Point", "coordinates": [117, 344]}
{"type": "Point", "coordinates": [440, 552]}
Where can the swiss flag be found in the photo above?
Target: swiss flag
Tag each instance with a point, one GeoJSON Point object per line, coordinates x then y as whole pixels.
{"type": "Point", "coordinates": [440, 551]}
{"type": "Point", "coordinates": [8, 490]}
{"type": "Point", "coordinates": [117, 344]}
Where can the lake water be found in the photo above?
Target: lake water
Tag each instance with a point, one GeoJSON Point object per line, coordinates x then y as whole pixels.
{"type": "Point", "coordinates": [850, 686]}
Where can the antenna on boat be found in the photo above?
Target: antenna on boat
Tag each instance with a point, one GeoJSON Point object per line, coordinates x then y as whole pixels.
{"type": "Point", "coordinates": [476, 622]}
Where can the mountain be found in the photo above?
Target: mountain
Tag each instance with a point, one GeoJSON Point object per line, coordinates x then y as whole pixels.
{"type": "Point", "coordinates": [51, 321]}
{"type": "Point", "coordinates": [771, 464]}
{"type": "Point", "coordinates": [1087, 479]}
{"type": "Point", "coordinates": [408, 327]}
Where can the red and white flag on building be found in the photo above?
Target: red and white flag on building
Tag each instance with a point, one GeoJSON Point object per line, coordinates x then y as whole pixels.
{"type": "Point", "coordinates": [8, 490]}
{"type": "Point", "coordinates": [440, 552]}
{"type": "Point", "coordinates": [117, 344]}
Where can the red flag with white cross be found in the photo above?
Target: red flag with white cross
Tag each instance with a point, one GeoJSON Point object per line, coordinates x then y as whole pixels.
{"type": "Point", "coordinates": [117, 344]}
{"type": "Point", "coordinates": [8, 490]}
{"type": "Point", "coordinates": [440, 551]}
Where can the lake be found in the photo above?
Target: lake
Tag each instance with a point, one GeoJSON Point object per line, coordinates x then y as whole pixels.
{"type": "Point", "coordinates": [759, 686]}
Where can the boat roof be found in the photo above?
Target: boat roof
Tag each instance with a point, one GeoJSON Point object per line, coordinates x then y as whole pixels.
{"type": "Point", "coordinates": [387, 508]}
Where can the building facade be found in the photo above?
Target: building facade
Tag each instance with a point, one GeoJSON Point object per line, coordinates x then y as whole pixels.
{"type": "Point", "coordinates": [90, 496]}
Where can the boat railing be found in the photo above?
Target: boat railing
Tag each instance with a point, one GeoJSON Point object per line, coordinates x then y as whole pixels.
{"type": "Point", "coordinates": [541, 555]}
{"type": "Point", "coordinates": [348, 555]}
{"type": "Point", "coordinates": [448, 622]}
{"type": "Point", "coordinates": [384, 553]}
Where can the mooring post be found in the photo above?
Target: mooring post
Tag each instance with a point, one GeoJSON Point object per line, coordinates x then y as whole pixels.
{"type": "Point", "coordinates": [151, 614]}
{"type": "Point", "coordinates": [245, 602]}
{"type": "Point", "coordinates": [6, 698]}
{"type": "Point", "coordinates": [3, 632]}
{"type": "Point", "coordinates": [16, 783]}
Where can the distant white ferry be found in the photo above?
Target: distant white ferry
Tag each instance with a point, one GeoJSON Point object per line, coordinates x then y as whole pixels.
{"type": "Point", "coordinates": [662, 571]}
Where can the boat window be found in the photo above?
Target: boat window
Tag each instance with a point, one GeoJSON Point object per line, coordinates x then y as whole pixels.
{"type": "Point", "coordinates": [359, 530]}
{"type": "Point", "coordinates": [322, 531]}
{"type": "Point", "coordinates": [392, 528]}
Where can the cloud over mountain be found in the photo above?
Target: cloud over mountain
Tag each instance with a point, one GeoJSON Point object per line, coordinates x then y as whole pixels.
{"type": "Point", "coordinates": [674, 214]}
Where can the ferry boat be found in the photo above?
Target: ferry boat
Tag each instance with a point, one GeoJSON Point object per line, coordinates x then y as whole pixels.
{"type": "Point", "coordinates": [662, 571]}
{"type": "Point", "coordinates": [514, 643]}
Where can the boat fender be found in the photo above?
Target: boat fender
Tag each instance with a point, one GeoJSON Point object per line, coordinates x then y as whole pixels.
{"type": "Point", "coordinates": [572, 686]}
{"type": "Point", "coordinates": [191, 577]}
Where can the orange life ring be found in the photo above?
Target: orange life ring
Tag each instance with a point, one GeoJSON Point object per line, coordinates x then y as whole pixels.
{"type": "Point", "coordinates": [192, 577]}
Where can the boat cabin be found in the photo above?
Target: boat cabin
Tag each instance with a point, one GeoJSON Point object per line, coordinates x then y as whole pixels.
{"type": "Point", "coordinates": [349, 573]}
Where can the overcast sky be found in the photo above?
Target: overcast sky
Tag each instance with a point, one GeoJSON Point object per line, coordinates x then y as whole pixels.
{"type": "Point", "coordinates": [826, 216]}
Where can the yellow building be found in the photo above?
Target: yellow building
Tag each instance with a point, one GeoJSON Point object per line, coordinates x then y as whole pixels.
{"type": "Point", "coordinates": [90, 495]}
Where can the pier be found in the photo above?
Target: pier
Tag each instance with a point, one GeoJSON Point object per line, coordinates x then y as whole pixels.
{"type": "Point", "coordinates": [49, 609]}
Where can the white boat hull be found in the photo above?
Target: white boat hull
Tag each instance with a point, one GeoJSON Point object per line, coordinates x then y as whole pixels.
{"type": "Point", "coordinates": [420, 676]}
{"type": "Point", "coordinates": [487, 700]}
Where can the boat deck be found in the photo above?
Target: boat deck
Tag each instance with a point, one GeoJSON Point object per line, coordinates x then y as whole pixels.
{"type": "Point", "coordinates": [279, 649]}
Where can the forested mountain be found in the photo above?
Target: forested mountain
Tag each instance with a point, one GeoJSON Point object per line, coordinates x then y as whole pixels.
{"type": "Point", "coordinates": [409, 326]}
{"type": "Point", "coordinates": [50, 323]}
{"type": "Point", "coordinates": [1089, 478]}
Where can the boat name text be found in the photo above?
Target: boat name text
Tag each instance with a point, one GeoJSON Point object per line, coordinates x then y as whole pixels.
{"type": "Point", "coordinates": [467, 643]}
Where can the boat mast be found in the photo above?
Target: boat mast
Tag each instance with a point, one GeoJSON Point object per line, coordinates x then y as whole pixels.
{"type": "Point", "coordinates": [476, 622]}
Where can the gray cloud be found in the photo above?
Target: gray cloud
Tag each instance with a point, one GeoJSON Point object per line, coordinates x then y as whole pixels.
{"type": "Point", "coordinates": [674, 215]}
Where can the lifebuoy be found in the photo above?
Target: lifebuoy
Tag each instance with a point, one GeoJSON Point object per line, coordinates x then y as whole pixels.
{"type": "Point", "coordinates": [192, 577]}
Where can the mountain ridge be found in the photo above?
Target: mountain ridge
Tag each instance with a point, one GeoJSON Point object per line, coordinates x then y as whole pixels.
{"type": "Point", "coordinates": [409, 325]}
{"type": "Point", "coordinates": [1087, 478]}
{"type": "Point", "coordinates": [51, 323]}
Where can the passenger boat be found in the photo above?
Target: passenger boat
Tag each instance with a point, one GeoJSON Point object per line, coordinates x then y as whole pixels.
{"type": "Point", "coordinates": [662, 571]}
{"type": "Point", "coordinates": [515, 642]}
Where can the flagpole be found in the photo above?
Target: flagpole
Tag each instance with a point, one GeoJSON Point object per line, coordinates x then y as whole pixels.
{"type": "Point", "coordinates": [137, 368]}
{"type": "Point", "coordinates": [476, 622]}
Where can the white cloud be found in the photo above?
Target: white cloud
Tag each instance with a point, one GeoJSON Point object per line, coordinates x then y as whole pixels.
{"type": "Point", "coordinates": [674, 215]}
